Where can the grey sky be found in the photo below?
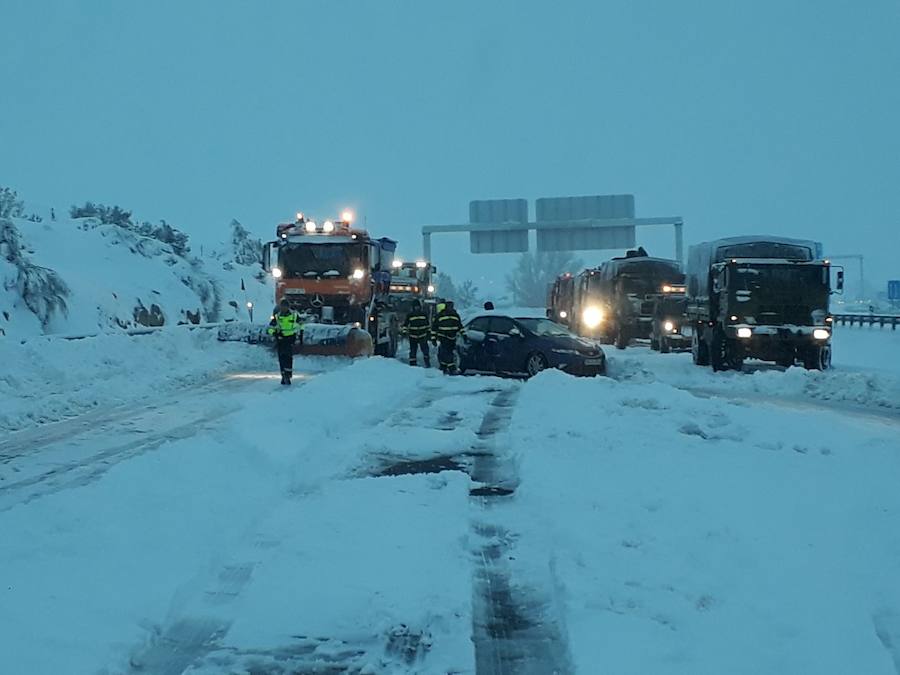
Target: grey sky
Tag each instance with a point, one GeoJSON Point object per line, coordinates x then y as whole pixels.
{"type": "Point", "coordinates": [765, 115]}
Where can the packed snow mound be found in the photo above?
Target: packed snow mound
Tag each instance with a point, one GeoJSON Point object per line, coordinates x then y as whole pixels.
{"type": "Point", "coordinates": [83, 276]}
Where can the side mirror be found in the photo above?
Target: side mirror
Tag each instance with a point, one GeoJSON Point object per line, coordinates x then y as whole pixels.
{"type": "Point", "coordinates": [267, 256]}
{"type": "Point", "coordinates": [515, 332]}
{"type": "Point", "coordinates": [839, 282]}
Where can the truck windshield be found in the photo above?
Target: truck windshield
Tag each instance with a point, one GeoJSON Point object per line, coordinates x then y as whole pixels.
{"type": "Point", "coordinates": [310, 261]}
{"type": "Point", "coordinates": [777, 279]}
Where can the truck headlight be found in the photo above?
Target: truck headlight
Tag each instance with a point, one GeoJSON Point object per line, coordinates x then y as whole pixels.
{"type": "Point", "coordinates": [358, 274]}
{"type": "Point", "coordinates": [592, 316]}
{"type": "Point", "coordinates": [431, 289]}
{"type": "Point", "coordinates": [669, 326]}
{"type": "Point", "coordinates": [821, 334]}
{"type": "Point", "coordinates": [563, 314]}
{"type": "Point", "coordinates": [310, 226]}
{"type": "Point", "coordinates": [327, 226]}
{"type": "Point", "coordinates": [744, 332]}
{"type": "Point", "coordinates": [276, 272]}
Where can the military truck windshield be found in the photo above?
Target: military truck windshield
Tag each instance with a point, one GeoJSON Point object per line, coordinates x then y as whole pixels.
{"type": "Point", "coordinates": [545, 328]}
{"type": "Point", "coordinates": [778, 278]}
{"type": "Point", "coordinates": [765, 249]}
{"type": "Point", "coordinates": [671, 306]}
{"type": "Point", "coordinates": [312, 261]}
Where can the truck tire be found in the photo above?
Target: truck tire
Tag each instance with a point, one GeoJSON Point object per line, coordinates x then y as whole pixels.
{"type": "Point", "coordinates": [621, 338]}
{"type": "Point", "coordinates": [817, 357]}
{"type": "Point", "coordinates": [664, 346]}
{"type": "Point", "coordinates": [699, 350]}
{"type": "Point", "coordinates": [395, 337]}
{"type": "Point", "coordinates": [655, 344]}
{"type": "Point", "coordinates": [718, 350]}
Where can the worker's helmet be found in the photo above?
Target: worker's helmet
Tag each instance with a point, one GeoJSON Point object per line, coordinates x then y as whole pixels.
{"type": "Point", "coordinates": [284, 304]}
{"type": "Point", "coordinates": [449, 304]}
{"type": "Point", "coordinates": [440, 307]}
{"type": "Point", "coordinates": [417, 305]}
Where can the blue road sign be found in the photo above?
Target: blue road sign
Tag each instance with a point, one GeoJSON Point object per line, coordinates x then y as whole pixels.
{"type": "Point", "coordinates": [894, 289]}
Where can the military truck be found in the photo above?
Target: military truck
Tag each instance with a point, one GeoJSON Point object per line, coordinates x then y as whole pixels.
{"type": "Point", "coordinates": [560, 299]}
{"type": "Point", "coordinates": [667, 328]}
{"type": "Point", "coordinates": [760, 297]}
{"type": "Point", "coordinates": [615, 301]}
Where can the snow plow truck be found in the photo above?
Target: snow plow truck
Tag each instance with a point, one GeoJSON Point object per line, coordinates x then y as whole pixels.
{"type": "Point", "coordinates": [338, 278]}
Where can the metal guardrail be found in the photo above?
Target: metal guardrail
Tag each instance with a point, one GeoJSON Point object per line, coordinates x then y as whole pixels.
{"type": "Point", "coordinates": [880, 320]}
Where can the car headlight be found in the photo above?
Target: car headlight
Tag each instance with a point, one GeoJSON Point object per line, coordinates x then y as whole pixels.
{"type": "Point", "coordinates": [276, 272]}
{"type": "Point", "coordinates": [592, 316]}
{"type": "Point", "coordinates": [358, 274]}
{"type": "Point", "coordinates": [572, 352]}
{"type": "Point", "coordinates": [821, 334]}
{"type": "Point", "coordinates": [669, 326]}
{"type": "Point", "coordinates": [744, 332]}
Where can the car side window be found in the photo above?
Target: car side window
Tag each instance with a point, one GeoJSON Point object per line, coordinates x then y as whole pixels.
{"type": "Point", "coordinates": [479, 324]}
{"type": "Point", "coordinates": [501, 325]}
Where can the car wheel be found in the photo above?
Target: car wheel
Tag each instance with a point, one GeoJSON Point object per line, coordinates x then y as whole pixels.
{"type": "Point", "coordinates": [535, 364]}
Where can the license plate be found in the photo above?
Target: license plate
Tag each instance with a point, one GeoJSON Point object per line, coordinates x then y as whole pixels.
{"type": "Point", "coordinates": [593, 362]}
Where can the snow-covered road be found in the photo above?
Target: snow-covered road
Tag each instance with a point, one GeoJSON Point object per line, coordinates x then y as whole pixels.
{"type": "Point", "coordinates": [379, 519]}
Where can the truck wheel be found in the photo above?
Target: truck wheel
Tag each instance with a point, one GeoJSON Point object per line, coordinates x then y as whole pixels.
{"type": "Point", "coordinates": [394, 338]}
{"type": "Point", "coordinates": [664, 346]}
{"type": "Point", "coordinates": [655, 345]}
{"type": "Point", "coordinates": [621, 338]}
{"type": "Point", "coordinates": [718, 350]}
{"type": "Point", "coordinates": [817, 357]}
{"type": "Point", "coordinates": [699, 350]}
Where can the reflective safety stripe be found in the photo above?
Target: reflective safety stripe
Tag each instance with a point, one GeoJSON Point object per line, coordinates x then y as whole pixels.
{"type": "Point", "coordinates": [417, 325]}
{"type": "Point", "coordinates": [288, 324]}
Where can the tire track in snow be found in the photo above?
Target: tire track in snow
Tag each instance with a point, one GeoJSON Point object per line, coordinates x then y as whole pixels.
{"type": "Point", "coordinates": [514, 630]}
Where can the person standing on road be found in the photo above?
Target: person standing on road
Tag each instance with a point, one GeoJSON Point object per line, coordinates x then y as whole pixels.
{"type": "Point", "coordinates": [287, 328]}
{"type": "Point", "coordinates": [416, 329]}
{"type": "Point", "coordinates": [445, 329]}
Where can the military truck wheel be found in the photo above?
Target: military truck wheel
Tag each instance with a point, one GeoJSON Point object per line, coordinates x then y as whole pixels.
{"type": "Point", "coordinates": [718, 351]}
{"type": "Point", "coordinates": [621, 338]}
{"type": "Point", "coordinates": [655, 344]}
{"type": "Point", "coordinates": [699, 349]}
{"type": "Point", "coordinates": [395, 338]}
{"type": "Point", "coordinates": [817, 357]}
{"type": "Point", "coordinates": [664, 346]}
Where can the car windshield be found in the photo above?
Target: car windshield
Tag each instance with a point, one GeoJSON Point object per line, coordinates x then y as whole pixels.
{"type": "Point", "coordinates": [319, 260]}
{"type": "Point", "coordinates": [545, 328]}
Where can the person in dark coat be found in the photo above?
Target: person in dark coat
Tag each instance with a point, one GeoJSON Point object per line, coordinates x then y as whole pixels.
{"type": "Point", "coordinates": [447, 326]}
{"type": "Point", "coordinates": [488, 306]}
{"type": "Point", "coordinates": [416, 329]}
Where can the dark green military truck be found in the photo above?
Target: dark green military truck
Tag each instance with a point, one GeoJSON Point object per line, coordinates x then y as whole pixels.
{"type": "Point", "coordinates": [759, 297]}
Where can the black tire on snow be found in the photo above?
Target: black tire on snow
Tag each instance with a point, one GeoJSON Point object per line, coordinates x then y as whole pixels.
{"type": "Point", "coordinates": [664, 346]}
{"type": "Point", "coordinates": [718, 351]}
{"type": "Point", "coordinates": [535, 363]}
{"type": "Point", "coordinates": [699, 349]}
{"type": "Point", "coordinates": [817, 357]}
{"type": "Point", "coordinates": [621, 339]}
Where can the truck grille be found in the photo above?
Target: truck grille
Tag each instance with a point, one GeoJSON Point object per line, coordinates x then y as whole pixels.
{"type": "Point", "coordinates": [799, 315]}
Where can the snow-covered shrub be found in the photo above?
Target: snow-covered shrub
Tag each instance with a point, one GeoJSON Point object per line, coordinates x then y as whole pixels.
{"type": "Point", "coordinates": [108, 215]}
{"type": "Point", "coordinates": [167, 234]}
{"type": "Point", "coordinates": [10, 204]}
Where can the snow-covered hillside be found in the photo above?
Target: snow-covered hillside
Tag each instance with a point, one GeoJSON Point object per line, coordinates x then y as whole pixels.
{"type": "Point", "coordinates": [81, 276]}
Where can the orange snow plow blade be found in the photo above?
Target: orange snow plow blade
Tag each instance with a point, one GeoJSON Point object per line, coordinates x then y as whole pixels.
{"type": "Point", "coordinates": [319, 339]}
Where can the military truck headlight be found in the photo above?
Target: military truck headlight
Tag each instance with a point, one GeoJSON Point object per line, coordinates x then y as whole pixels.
{"type": "Point", "coordinates": [744, 332]}
{"type": "Point", "coordinates": [327, 226]}
{"type": "Point", "coordinates": [592, 316]}
{"type": "Point", "coordinates": [358, 274]}
{"type": "Point", "coordinates": [310, 226]}
{"type": "Point", "coordinates": [821, 334]}
{"type": "Point", "coordinates": [276, 272]}
{"type": "Point", "coordinates": [669, 326]}
{"type": "Point", "coordinates": [431, 289]}
{"type": "Point", "coordinates": [563, 314]}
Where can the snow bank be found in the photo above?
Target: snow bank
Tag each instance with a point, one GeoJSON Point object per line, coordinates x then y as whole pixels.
{"type": "Point", "coordinates": [690, 535]}
{"type": "Point", "coordinates": [48, 379]}
{"type": "Point", "coordinates": [866, 373]}
{"type": "Point", "coordinates": [115, 278]}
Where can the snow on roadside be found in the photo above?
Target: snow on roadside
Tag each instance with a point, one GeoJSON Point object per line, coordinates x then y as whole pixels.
{"type": "Point", "coordinates": [689, 535]}
{"type": "Point", "coordinates": [49, 379]}
{"type": "Point", "coordinates": [866, 372]}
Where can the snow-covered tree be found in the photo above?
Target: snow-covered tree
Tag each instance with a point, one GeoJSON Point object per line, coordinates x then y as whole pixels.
{"type": "Point", "coordinates": [42, 290]}
{"type": "Point", "coordinates": [10, 204]}
{"type": "Point", "coordinates": [535, 272]}
{"type": "Point", "coordinates": [247, 249]}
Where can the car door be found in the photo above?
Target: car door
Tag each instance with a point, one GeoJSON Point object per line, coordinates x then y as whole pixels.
{"type": "Point", "coordinates": [472, 345]}
{"type": "Point", "coordinates": [503, 349]}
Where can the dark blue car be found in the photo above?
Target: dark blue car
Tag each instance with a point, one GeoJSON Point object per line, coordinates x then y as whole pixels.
{"type": "Point", "coordinates": [505, 345]}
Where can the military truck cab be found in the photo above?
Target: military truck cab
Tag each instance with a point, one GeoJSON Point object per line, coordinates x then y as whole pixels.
{"type": "Point", "coordinates": [759, 297]}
